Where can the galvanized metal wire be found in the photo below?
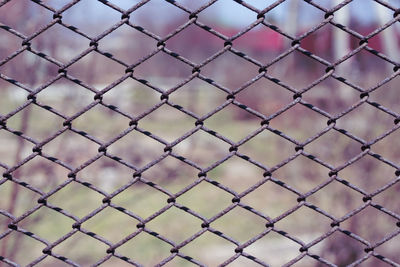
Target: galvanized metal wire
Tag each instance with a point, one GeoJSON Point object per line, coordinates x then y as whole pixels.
{"type": "Point", "coordinates": [366, 147]}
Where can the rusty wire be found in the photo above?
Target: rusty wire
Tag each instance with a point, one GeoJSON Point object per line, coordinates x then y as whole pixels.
{"type": "Point", "coordinates": [366, 148]}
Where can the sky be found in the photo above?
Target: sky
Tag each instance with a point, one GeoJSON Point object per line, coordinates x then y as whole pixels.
{"type": "Point", "coordinates": [225, 12]}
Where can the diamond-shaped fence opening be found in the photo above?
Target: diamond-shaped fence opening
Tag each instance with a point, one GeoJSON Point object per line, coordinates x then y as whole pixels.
{"type": "Point", "coordinates": [332, 96]}
{"type": "Point", "coordinates": [199, 133]}
{"type": "Point", "coordinates": [188, 97]}
{"type": "Point", "coordinates": [49, 42]}
{"type": "Point", "coordinates": [54, 224]}
{"type": "Point", "coordinates": [271, 243]}
{"type": "Point", "coordinates": [250, 225]}
{"type": "Point", "coordinates": [237, 174]}
{"type": "Point", "coordinates": [264, 96]}
{"type": "Point", "coordinates": [27, 68]}
{"type": "Point", "coordinates": [338, 243]}
{"type": "Point", "coordinates": [77, 247]}
{"type": "Point", "coordinates": [136, 248]}
{"type": "Point", "coordinates": [188, 43]}
{"type": "Point", "coordinates": [42, 174]}
{"type": "Point", "coordinates": [171, 174]}
{"type": "Point", "coordinates": [129, 52]}
{"type": "Point", "coordinates": [308, 230]}
{"type": "Point", "coordinates": [203, 249]}
{"type": "Point", "coordinates": [76, 96]}
{"type": "Point", "coordinates": [302, 179]}
{"type": "Point", "coordinates": [388, 97]}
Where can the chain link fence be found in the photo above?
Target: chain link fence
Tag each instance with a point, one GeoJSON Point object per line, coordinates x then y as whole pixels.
{"type": "Point", "coordinates": [302, 170]}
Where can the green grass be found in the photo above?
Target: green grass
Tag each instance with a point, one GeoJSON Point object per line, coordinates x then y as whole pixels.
{"type": "Point", "coordinates": [205, 199]}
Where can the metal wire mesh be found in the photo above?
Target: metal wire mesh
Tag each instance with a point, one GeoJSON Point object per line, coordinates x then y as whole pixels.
{"type": "Point", "coordinates": [366, 148]}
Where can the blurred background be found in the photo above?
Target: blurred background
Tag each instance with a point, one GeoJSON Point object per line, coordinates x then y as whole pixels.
{"type": "Point", "coordinates": [229, 70]}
